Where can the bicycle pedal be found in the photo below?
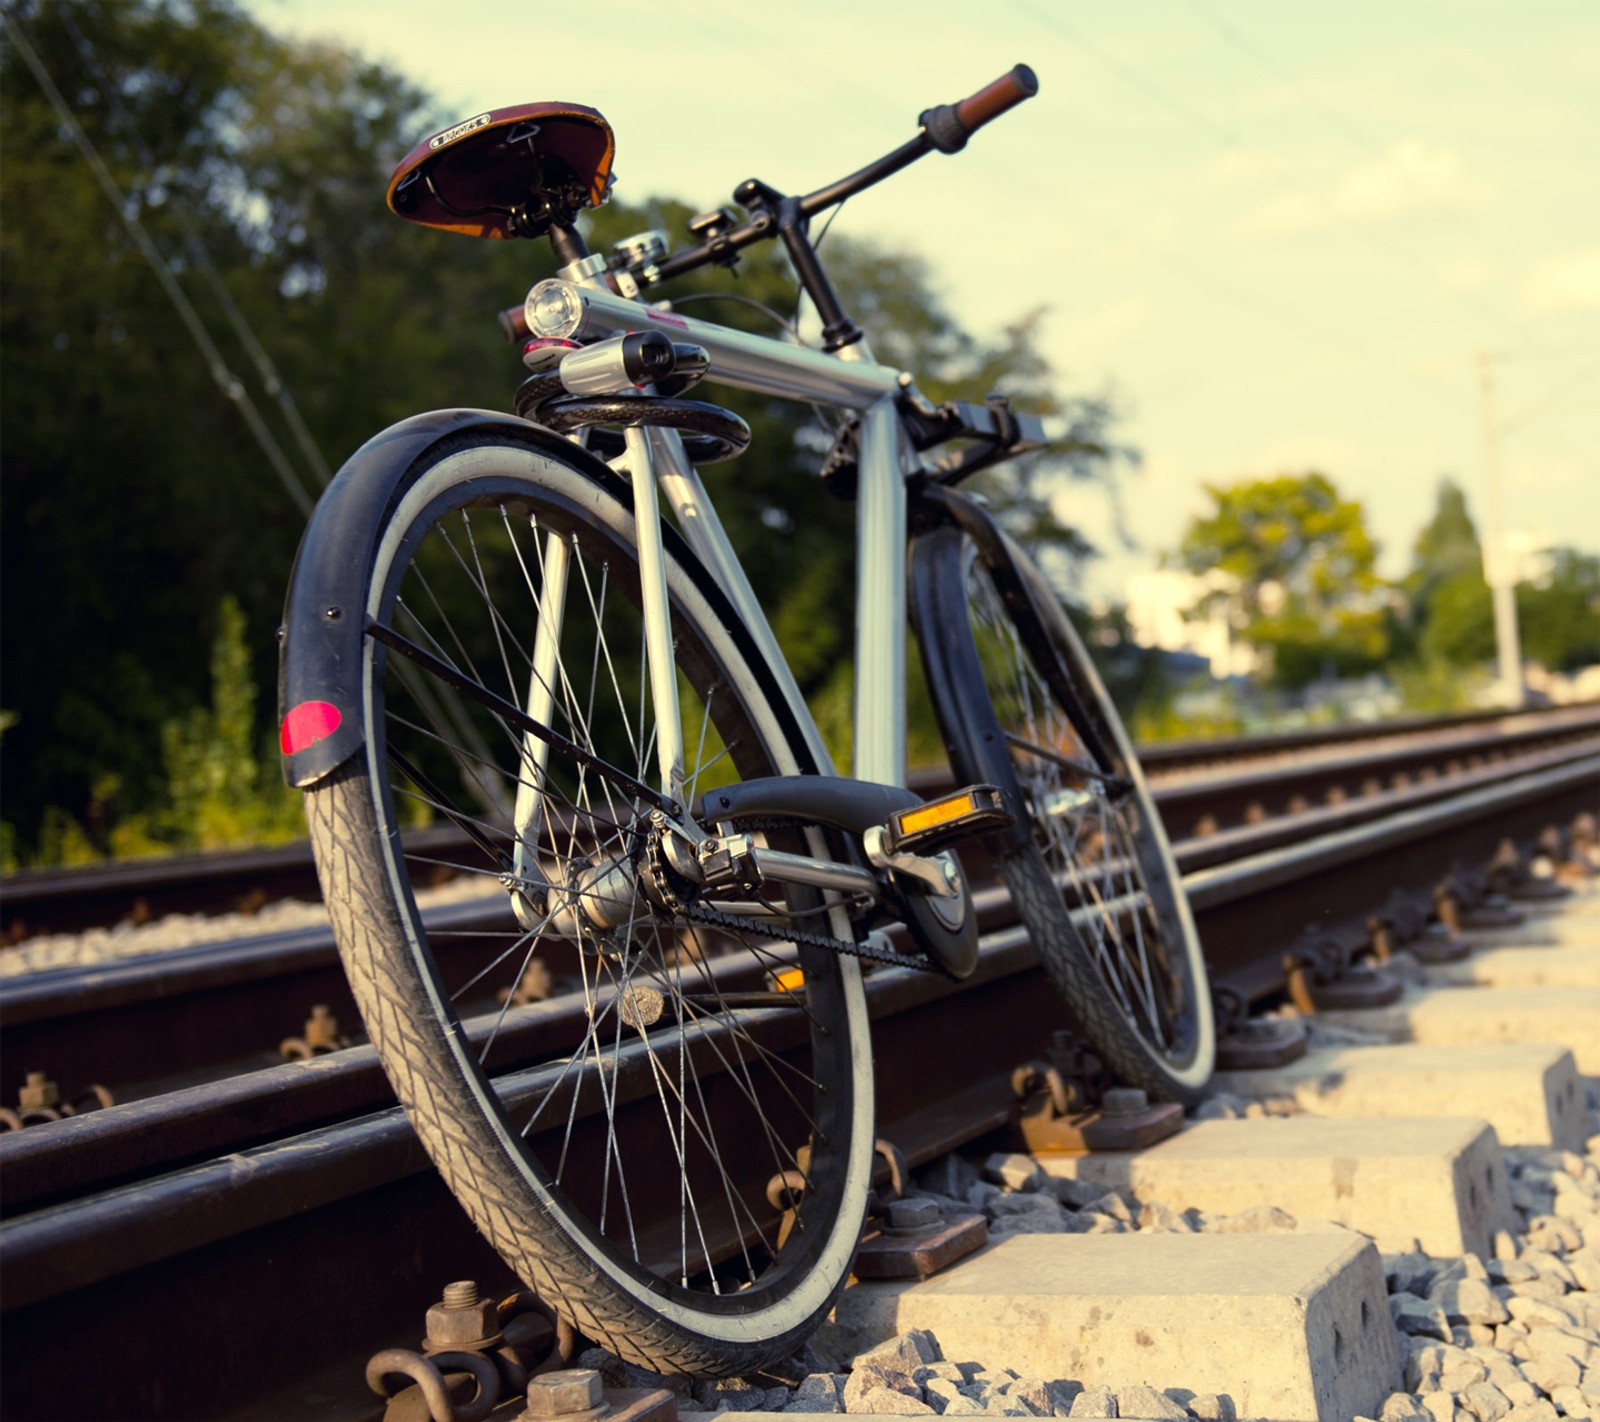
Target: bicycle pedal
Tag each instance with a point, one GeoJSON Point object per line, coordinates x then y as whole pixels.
{"type": "Point", "coordinates": [927, 828]}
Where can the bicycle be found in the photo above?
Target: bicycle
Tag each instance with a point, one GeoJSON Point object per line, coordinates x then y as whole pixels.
{"type": "Point", "coordinates": [491, 627]}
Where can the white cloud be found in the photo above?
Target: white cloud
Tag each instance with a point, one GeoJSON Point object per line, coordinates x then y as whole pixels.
{"type": "Point", "coordinates": [1467, 275]}
{"type": "Point", "coordinates": [1327, 454]}
{"type": "Point", "coordinates": [1241, 165]}
{"type": "Point", "coordinates": [1414, 178]}
{"type": "Point", "coordinates": [1091, 333]}
{"type": "Point", "coordinates": [1566, 283]}
{"type": "Point", "coordinates": [1566, 475]}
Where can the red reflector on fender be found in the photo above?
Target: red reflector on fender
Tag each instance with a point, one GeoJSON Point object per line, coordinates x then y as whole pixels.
{"type": "Point", "coordinates": [308, 723]}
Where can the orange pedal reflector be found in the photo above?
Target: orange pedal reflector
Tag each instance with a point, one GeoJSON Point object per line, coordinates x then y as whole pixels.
{"type": "Point", "coordinates": [940, 812]}
{"type": "Point", "coordinates": [925, 828]}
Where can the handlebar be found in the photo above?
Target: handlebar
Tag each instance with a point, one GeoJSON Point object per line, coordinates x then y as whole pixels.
{"type": "Point", "coordinates": [994, 99]}
{"type": "Point", "coordinates": [945, 128]}
{"type": "Point", "coordinates": [950, 125]}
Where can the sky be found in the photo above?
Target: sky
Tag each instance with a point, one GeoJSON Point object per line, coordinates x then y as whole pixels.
{"type": "Point", "coordinates": [1281, 237]}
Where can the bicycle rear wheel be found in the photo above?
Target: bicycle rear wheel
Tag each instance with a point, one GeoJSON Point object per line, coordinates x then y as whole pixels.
{"type": "Point", "coordinates": [671, 1150]}
{"type": "Point", "coordinates": [1088, 867]}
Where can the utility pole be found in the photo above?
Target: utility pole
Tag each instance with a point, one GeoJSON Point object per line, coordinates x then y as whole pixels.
{"type": "Point", "coordinates": [1498, 569]}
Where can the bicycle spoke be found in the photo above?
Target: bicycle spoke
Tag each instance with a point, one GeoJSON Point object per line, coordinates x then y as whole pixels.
{"type": "Point", "coordinates": [1081, 802]}
{"type": "Point", "coordinates": [657, 1047]}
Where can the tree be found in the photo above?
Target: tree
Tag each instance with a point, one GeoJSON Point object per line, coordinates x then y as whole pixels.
{"type": "Point", "coordinates": [136, 498]}
{"type": "Point", "coordinates": [1452, 610]}
{"type": "Point", "coordinates": [138, 501]}
{"type": "Point", "coordinates": [1448, 544]}
{"type": "Point", "coordinates": [1559, 613]}
{"type": "Point", "coordinates": [1451, 614]}
{"type": "Point", "coordinates": [1298, 576]}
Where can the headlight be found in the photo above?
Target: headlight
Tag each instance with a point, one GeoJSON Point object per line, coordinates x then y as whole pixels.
{"type": "Point", "coordinates": [554, 309]}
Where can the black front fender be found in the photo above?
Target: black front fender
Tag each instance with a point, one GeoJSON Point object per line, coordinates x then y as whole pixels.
{"type": "Point", "coordinates": [321, 640]}
{"type": "Point", "coordinates": [937, 594]}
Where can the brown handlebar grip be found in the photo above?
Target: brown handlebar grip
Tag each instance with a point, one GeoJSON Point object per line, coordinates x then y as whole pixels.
{"type": "Point", "coordinates": [994, 99]}
{"type": "Point", "coordinates": [514, 322]}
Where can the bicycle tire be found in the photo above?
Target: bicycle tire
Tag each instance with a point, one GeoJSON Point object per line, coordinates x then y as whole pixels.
{"type": "Point", "coordinates": [1020, 704]}
{"type": "Point", "coordinates": [704, 1284]}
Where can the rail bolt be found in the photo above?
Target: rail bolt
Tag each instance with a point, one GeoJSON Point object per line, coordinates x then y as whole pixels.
{"type": "Point", "coordinates": [322, 1028]}
{"type": "Point", "coordinates": [462, 1321]}
{"type": "Point", "coordinates": [1124, 1101]}
{"type": "Point", "coordinates": [913, 1216]}
{"type": "Point", "coordinates": [566, 1392]}
{"type": "Point", "coordinates": [40, 1093]}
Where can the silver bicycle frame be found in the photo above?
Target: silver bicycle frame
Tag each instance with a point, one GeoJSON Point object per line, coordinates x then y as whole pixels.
{"type": "Point", "coordinates": [770, 367]}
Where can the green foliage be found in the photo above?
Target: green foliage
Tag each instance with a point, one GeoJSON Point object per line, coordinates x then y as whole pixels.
{"type": "Point", "coordinates": [220, 795]}
{"type": "Point", "coordinates": [1201, 710]}
{"type": "Point", "coordinates": [1448, 545]}
{"type": "Point", "coordinates": [1298, 575]}
{"type": "Point", "coordinates": [1436, 686]}
{"type": "Point", "coordinates": [220, 791]}
{"type": "Point", "coordinates": [137, 500]}
{"type": "Point", "coordinates": [135, 497]}
{"type": "Point", "coordinates": [1559, 614]}
{"type": "Point", "coordinates": [1457, 622]}
{"type": "Point", "coordinates": [1452, 609]}
{"type": "Point", "coordinates": [1451, 616]}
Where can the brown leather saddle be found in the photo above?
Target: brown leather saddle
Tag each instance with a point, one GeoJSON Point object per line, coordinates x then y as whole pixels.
{"type": "Point", "coordinates": [507, 173]}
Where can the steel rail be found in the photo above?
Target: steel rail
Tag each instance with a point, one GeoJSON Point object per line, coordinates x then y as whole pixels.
{"type": "Point", "coordinates": [67, 900]}
{"type": "Point", "coordinates": [1163, 757]}
{"type": "Point", "coordinates": [148, 1136]}
{"type": "Point", "coordinates": [1244, 880]}
{"type": "Point", "coordinates": [1337, 771]}
{"type": "Point", "coordinates": [146, 1025]}
{"type": "Point", "coordinates": [329, 1200]}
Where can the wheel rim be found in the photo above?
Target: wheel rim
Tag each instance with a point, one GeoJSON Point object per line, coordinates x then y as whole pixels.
{"type": "Point", "coordinates": [1087, 817]}
{"type": "Point", "coordinates": [669, 1108]}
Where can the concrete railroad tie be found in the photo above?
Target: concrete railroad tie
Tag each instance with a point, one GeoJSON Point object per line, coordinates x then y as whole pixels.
{"type": "Point", "coordinates": [1240, 1259]}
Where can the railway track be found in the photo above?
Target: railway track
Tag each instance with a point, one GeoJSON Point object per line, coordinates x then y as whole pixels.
{"type": "Point", "coordinates": [298, 1179]}
{"type": "Point", "coordinates": [1269, 775]}
{"type": "Point", "coordinates": [147, 1025]}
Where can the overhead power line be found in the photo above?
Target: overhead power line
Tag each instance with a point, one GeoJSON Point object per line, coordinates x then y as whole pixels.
{"type": "Point", "coordinates": [1159, 94]}
{"type": "Point", "coordinates": [1340, 122]}
{"type": "Point", "coordinates": [228, 383]}
{"type": "Point", "coordinates": [1552, 397]}
{"type": "Point", "coordinates": [1148, 87]}
{"type": "Point", "coordinates": [272, 383]}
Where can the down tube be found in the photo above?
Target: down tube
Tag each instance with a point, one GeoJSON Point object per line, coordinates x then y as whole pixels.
{"type": "Point", "coordinates": [703, 531]}
{"type": "Point", "coordinates": [880, 709]}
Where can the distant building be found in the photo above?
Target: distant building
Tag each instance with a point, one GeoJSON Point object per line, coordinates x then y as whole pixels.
{"type": "Point", "coordinates": [1159, 602]}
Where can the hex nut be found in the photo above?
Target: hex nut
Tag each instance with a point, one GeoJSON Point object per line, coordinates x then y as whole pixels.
{"type": "Point", "coordinates": [565, 1391]}
{"type": "Point", "coordinates": [1124, 1101]}
{"type": "Point", "coordinates": [460, 1325]}
{"type": "Point", "coordinates": [913, 1214]}
{"type": "Point", "coordinates": [40, 1093]}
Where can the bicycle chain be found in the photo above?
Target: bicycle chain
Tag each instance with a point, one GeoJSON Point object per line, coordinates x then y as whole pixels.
{"type": "Point", "coordinates": [801, 936]}
{"type": "Point", "coordinates": [805, 939]}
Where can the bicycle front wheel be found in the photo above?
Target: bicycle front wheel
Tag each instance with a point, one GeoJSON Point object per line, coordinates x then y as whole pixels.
{"type": "Point", "coordinates": [669, 1144]}
{"type": "Point", "coordinates": [1089, 868]}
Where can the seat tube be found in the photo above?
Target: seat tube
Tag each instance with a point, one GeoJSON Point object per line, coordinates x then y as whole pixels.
{"type": "Point", "coordinates": [541, 698]}
{"type": "Point", "coordinates": [697, 519]}
{"type": "Point", "coordinates": [657, 612]}
{"type": "Point", "coordinates": [880, 709]}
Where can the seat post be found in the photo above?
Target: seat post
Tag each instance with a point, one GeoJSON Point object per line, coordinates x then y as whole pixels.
{"type": "Point", "coordinates": [567, 243]}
